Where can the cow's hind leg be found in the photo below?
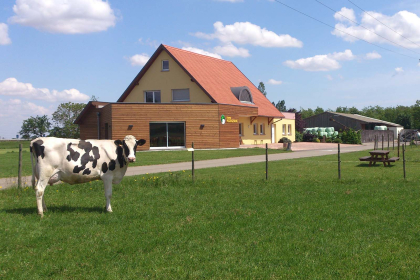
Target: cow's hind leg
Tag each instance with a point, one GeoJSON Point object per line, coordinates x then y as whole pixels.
{"type": "Point", "coordinates": [108, 193]}
{"type": "Point", "coordinates": [39, 192]}
{"type": "Point", "coordinates": [44, 207]}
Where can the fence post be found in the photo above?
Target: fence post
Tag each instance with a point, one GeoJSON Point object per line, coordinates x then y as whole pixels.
{"type": "Point", "coordinates": [20, 167]}
{"type": "Point", "coordinates": [266, 161]}
{"type": "Point", "coordinates": [403, 150]}
{"type": "Point", "coordinates": [339, 162]}
{"type": "Point", "coordinates": [382, 142]}
{"type": "Point", "coordinates": [398, 144]}
{"type": "Point", "coordinates": [388, 141]}
{"type": "Point", "coordinates": [393, 141]}
{"type": "Point", "coordinates": [192, 146]}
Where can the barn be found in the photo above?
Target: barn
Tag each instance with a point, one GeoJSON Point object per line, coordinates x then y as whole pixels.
{"type": "Point", "coordinates": [341, 121]}
{"type": "Point", "coordinates": [180, 97]}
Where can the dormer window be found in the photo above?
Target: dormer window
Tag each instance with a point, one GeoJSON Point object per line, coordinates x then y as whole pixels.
{"type": "Point", "coordinates": [243, 94]}
{"type": "Point", "coordinates": [165, 65]}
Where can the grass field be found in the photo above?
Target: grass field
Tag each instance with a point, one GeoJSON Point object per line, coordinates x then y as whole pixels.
{"type": "Point", "coordinates": [230, 223]}
{"type": "Point", "coordinates": [9, 157]}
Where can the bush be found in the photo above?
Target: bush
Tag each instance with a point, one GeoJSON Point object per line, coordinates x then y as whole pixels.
{"type": "Point", "coordinates": [350, 136]}
{"type": "Point", "coordinates": [308, 137]}
{"type": "Point", "coordinates": [338, 140]}
{"type": "Point", "coordinates": [298, 137]}
{"type": "Point", "coordinates": [285, 140]}
{"type": "Point", "coordinates": [328, 140]}
{"type": "Point", "coordinates": [316, 140]}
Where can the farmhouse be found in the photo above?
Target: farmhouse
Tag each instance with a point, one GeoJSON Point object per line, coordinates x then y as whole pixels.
{"type": "Point", "coordinates": [181, 97]}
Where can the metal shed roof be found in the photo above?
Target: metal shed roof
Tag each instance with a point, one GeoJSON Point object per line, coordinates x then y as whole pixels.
{"type": "Point", "coordinates": [366, 119]}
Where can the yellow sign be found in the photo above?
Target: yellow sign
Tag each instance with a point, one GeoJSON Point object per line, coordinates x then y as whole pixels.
{"type": "Point", "coordinates": [229, 119]}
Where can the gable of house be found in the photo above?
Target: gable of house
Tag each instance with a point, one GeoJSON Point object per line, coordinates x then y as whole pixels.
{"type": "Point", "coordinates": [165, 82]}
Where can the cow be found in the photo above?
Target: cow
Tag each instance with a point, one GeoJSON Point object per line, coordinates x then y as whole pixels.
{"type": "Point", "coordinates": [75, 161]}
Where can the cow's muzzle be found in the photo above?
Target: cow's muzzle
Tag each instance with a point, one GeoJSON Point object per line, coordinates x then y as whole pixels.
{"type": "Point", "coordinates": [131, 159]}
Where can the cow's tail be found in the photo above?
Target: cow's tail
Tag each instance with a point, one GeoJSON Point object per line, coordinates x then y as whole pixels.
{"type": "Point", "coordinates": [33, 166]}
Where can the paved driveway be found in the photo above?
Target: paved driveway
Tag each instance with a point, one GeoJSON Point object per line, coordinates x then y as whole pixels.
{"type": "Point", "coordinates": [319, 149]}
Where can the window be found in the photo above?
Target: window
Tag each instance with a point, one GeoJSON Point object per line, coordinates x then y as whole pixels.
{"type": "Point", "coordinates": [262, 130]}
{"type": "Point", "coordinates": [255, 129]}
{"type": "Point", "coordinates": [152, 97]}
{"type": "Point", "coordinates": [181, 95]}
{"type": "Point", "coordinates": [167, 135]}
{"type": "Point", "coordinates": [165, 65]}
{"type": "Point", "coordinates": [289, 129]}
{"type": "Point", "coordinates": [284, 129]}
{"type": "Point", "coordinates": [241, 129]}
{"type": "Point", "coordinates": [243, 94]}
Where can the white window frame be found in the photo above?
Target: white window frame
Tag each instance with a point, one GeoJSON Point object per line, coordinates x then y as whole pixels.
{"type": "Point", "coordinates": [284, 129]}
{"type": "Point", "coordinates": [255, 129]}
{"type": "Point", "coordinates": [183, 100]}
{"type": "Point", "coordinates": [153, 91]}
{"type": "Point", "coordinates": [289, 129]}
{"type": "Point", "coordinates": [241, 129]}
{"type": "Point", "coordinates": [165, 70]}
{"type": "Point", "coordinates": [262, 129]}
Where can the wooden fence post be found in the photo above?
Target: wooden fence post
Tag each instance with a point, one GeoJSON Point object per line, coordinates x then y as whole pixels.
{"type": "Point", "coordinates": [403, 150]}
{"type": "Point", "coordinates": [266, 161]}
{"type": "Point", "coordinates": [339, 162]}
{"type": "Point", "coordinates": [393, 141]}
{"type": "Point", "coordinates": [382, 142]}
{"type": "Point", "coordinates": [192, 146]}
{"type": "Point", "coordinates": [388, 141]}
{"type": "Point", "coordinates": [20, 167]}
{"type": "Point", "coordinates": [398, 144]}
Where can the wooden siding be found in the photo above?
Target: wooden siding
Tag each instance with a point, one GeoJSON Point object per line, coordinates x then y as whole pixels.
{"type": "Point", "coordinates": [140, 116]}
{"type": "Point", "coordinates": [106, 118]}
{"type": "Point", "coordinates": [369, 136]}
{"type": "Point", "coordinates": [89, 124]}
{"type": "Point", "coordinates": [229, 132]}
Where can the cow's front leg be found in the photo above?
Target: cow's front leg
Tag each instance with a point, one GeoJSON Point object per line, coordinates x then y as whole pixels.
{"type": "Point", "coordinates": [43, 204]}
{"type": "Point", "coordinates": [108, 194]}
{"type": "Point", "coordinates": [39, 192]}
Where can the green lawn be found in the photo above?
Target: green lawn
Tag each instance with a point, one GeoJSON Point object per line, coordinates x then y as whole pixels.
{"type": "Point", "coordinates": [303, 223]}
{"type": "Point", "coordinates": [9, 158]}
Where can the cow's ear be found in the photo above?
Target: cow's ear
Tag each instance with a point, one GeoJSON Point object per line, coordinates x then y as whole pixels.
{"type": "Point", "coordinates": [141, 142]}
{"type": "Point", "coordinates": [118, 142]}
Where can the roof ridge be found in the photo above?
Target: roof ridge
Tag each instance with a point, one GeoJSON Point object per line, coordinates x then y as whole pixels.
{"type": "Point", "coordinates": [194, 53]}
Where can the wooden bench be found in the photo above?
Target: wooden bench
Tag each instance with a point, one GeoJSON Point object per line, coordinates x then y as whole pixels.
{"type": "Point", "coordinates": [393, 159]}
{"type": "Point", "coordinates": [366, 158]}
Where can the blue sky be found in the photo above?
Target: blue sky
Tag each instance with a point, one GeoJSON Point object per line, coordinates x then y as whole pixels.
{"type": "Point", "coordinates": [59, 52]}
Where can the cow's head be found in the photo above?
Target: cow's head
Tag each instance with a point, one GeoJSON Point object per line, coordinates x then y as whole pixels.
{"type": "Point", "coordinates": [130, 146]}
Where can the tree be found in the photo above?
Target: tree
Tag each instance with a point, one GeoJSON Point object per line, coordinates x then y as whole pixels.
{"type": "Point", "coordinates": [35, 127]}
{"type": "Point", "coordinates": [261, 87]}
{"type": "Point", "coordinates": [416, 114]}
{"type": "Point", "coordinates": [306, 113]}
{"type": "Point", "coordinates": [318, 110]}
{"type": "Point", "coordinates": [64, 118]}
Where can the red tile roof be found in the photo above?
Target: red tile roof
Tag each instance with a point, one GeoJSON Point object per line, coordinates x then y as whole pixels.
{"type": "Point", "coordinates": [216, 77]}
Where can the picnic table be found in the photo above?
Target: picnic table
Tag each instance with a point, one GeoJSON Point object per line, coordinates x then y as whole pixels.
{"type": "Point", "coordinates": [379, 156]}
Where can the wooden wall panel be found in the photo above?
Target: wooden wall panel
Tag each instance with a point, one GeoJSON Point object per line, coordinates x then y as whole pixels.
{"type": "Point", "coordinates": [194, 115]}
{"type": "Point", "coordinates": [89, 125]}
{"type": "Point", "coordinates": [106, 118]}
{"type": "Point", "coordinates": [229, 132]}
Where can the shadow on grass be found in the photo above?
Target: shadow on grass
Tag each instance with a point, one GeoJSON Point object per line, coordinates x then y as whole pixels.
{"type": "Point", "coordinates": [56, 209]}
{"type": "Point", "coordinates": [376, 165]}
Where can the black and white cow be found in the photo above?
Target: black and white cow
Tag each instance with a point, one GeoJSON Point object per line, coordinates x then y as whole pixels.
{"type": "Point", "coordinates": [79, 161]}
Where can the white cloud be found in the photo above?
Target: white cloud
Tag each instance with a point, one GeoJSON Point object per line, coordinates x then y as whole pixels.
{"type": "Point", "coordinates": [404, 22]}
{"type": "Point", "coordinates": [399, 70]}
{"type": "Point", "coordinates": [329, 77]}
{"type": "Point", "coordinates": [274, 82]}
{"type": "Point", "coordinates": [326, 62]}
{"type": "Point", "coordinates": [373, 55]}
{"type": "Point", "coordinates": [149, 42]}
{"type": "Point", "coordinates": [203, 52]}
{"type": "Point", "coordinates": [63, 16]}
{"type": "Point", "coordinates": [4, 34]}
{"type": "Point", "coordinates": [230, 50]}
{"type": "Point", "coordinates": [344, 15]}
{"type": "Point", "coordinates": [12, 87]}
{"type": "Point", "coordinates": [248, 33]}
{"type": "Point", "coordinates": [139, 59]}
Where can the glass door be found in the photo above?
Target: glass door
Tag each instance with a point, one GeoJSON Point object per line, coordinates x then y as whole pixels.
{"type": "Point", "coordinates": [167, 135]}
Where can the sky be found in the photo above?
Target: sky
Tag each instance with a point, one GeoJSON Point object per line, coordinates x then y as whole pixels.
{"type": "Point", "coordinates": [58, 51]}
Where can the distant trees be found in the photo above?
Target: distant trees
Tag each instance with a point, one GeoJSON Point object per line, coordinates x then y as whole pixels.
{"type": "Point", "coordinates": [63, 119]}
{"type": "Point", "coordinates": [280, 105]}
{"type": "Point", "coordinates": [261, 87]}
{"type": "Point", "coordinates": [35, 127]}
